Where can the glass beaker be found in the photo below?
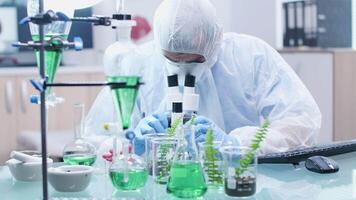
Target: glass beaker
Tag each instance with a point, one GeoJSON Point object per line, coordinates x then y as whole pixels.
{"type": "Point", "coordinates": [186, 176]}
{"type": "Point", "coordinates": [79, 152]}
{"type": "Point", "coordinates": [163, 150]}
{"type": "Point", "coordinates": [148, 155]}
{"type": "Point", "coordinates": [212, 162]}
{"type": "Point", "coordinates": [240, 171]}
{"type": "Point", "coordinates": [127, 172]}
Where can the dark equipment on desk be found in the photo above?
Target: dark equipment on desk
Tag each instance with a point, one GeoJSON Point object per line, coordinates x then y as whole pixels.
{"type": "Point", "coordinates": [296, 156]}
{"type": "Point", "coordinates": [321, 165]}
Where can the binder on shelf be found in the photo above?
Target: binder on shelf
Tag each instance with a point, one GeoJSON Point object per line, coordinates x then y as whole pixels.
{"type": "Point", "coordinates": [287, 34]}
{"type": "Point", "coordinates": [311, 24]}
{"type": "Point", "coordinates": [300, 23]}
{"type": "Point", "coordinates": [290, 24]}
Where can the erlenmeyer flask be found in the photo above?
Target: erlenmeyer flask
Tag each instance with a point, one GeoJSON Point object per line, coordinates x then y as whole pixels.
{"type": "Point", "coordinates": [186, 177]}
{"type": "Point", "coordinates": [79, 152]}
{"type": "Point", "coordinates": [57, 29]}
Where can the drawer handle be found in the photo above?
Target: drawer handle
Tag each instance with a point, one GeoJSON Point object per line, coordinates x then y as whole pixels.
{"type": "Point", "coordinates": [9, 96]}
{"type": "Point", "coordinates": [24, 96]}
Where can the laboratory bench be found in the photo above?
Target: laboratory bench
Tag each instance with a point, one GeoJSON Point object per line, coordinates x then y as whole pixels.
{"type": "Point", "coordinates": [274, 182]}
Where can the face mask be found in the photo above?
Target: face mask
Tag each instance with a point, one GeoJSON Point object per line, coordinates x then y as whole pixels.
{"type": "Point", "coordinates": [182, 69]}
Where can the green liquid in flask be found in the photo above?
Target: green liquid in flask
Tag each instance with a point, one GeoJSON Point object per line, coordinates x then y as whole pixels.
{"type": "Point", "coordinates": [124, 98]}
{"type": "Point", "coordinates": [136, 179]}
{"type": "Point", "coordinates": [52, 57]}
{"type": "Point", "coordinates": [186, 180]}
{"type": "Point", "coordinates": [88, 160]}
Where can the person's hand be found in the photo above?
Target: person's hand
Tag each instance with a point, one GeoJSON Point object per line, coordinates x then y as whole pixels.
{"type": "Point", "coordinates": [203, 124]}
{"type": "Point", "coordinates": [157, 123]}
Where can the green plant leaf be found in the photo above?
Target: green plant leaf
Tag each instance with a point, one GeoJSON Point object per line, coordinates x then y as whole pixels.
{"type": "Point", "coordinates": [171, 132]}
{"type": "Point", "coordinates": [163, 151]}
{"type": "Point", "coordinates": [254, 147]}
{"type": "Point", "coordinates": [214, 175]}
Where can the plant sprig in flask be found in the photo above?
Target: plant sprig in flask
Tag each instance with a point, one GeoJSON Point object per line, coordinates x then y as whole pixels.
{"type": "Point", "coordinates": [255, 146]}
{"type": "Point", "coordinates": [164, 150]}
{"type": "Point", "coordinates": [214, 175]}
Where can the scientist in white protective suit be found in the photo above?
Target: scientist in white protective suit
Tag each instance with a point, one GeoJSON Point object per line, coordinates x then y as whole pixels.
{"type": "Point", "coordinates": [241, 81]}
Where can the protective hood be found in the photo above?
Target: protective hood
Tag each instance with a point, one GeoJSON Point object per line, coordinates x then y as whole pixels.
{"type": "Point", "coordinates": [188, 26]}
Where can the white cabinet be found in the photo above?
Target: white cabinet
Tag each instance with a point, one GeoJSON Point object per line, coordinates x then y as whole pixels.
{"type": "Point", "coordinates": [329, 77]}
{"type": "Point", "coordinates": [8, 111]}
{"type": "Point", "coordinates": [27, 117]}
{"type": "Point", "coordinates": [316, 72]}
{"type": "Point", "coordinates": [17, 114]}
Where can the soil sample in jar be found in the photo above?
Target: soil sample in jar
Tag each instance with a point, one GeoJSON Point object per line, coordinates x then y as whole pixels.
{"type": "Point", "coordinates": [241, 186]}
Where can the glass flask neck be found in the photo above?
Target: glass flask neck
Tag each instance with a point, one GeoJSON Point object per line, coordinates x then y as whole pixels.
{"type": "Point", "coordinates": [187, 149]}
{"type": "Point", "coordinates": [122, 150]}
{"type": "Point", "coordinates": [119, 6]}
{"type": "Point", "coordinates": [79, 126]}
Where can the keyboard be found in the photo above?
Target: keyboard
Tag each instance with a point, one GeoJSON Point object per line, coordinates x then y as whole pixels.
{"type": "Point", "coordinates": [299, 155]}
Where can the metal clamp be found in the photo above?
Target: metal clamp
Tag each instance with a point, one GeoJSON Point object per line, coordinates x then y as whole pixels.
{"type": "Point", "coordinates": [39, 85]}
{"type": "Point", "coordinates": [96, 20]}
{"type": "Point", "coordinates": [45, 18]}
{"type": "Point", "coordinates": [55, 43]}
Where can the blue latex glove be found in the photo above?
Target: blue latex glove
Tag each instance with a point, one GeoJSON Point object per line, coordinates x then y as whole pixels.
{"type": "Point", "coordinates": [202, 124]}
{"type": "Point", "coordinates": [156, 123]}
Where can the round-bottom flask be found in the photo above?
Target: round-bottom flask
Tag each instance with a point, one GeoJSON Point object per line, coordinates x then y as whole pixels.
{"type": "Point", "coordinates": [79, 152]}
{"type": "Point", "coordinates": [128, 172]}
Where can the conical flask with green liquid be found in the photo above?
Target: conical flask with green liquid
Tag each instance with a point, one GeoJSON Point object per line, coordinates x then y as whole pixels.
{"type": "Point", "coordinates": [186, 176]}
{"type": "Point", "coordinates": [57, 29]}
